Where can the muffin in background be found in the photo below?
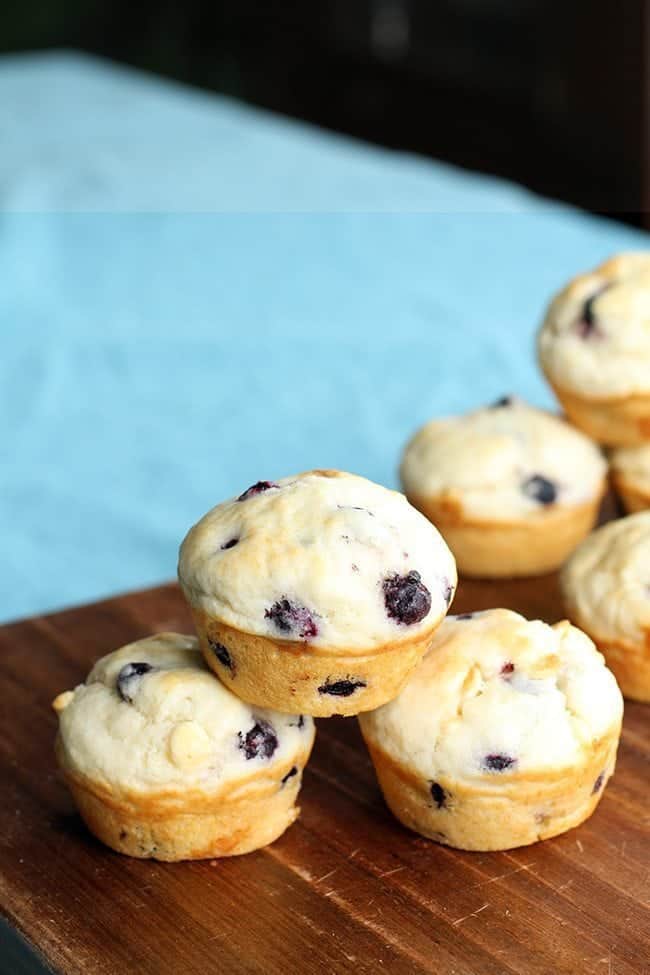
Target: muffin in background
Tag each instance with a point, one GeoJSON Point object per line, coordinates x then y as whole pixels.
{"type": "Point", "coordinates": [605, 589]}
{"type": "Point", "coordinates": [512, 489]}
{"type": "Point", "coordinates": [165, 762]}
{"type": "Point", "coordinates": [505, 734]}
{"type": "Point", "coordinates": [594, 348]}
{"type": "Point", "coordinates": [630, 472]}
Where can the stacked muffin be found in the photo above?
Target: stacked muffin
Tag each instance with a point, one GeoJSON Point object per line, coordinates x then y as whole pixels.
{"type": "Point", "coordinates": [163, 761]}
{"type": "Point", "coordinates": [326, 594]}
{"type": "Point", "coordinates": [313, 595]}
{"type": "Point", "coordinates": [317, 593]}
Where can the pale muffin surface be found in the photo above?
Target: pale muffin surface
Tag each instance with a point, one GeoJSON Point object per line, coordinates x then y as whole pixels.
{"type": "Point", "coordinates": [606, 582]}
{"type": "Point", "coordinates": [499, 699]}
{"type": "Point", "coordinates": [170, 728]}
{"type": "Point", "coordinates": [320, 558]}
{"type": "Point", "coordinates": [632, 464]}
{"type": "Point", "coordinates": [595, 339]}
{"type": "Point", "coordinates": [503, 463]}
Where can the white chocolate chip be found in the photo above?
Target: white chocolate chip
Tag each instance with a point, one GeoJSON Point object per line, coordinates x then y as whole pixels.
{"type": "Point", "coordinates": [189, 745]}
{"type": "Point", "coordinates": [62, 700]}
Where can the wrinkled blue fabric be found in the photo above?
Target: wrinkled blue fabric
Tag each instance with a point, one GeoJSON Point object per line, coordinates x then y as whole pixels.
{"type": "Point", "coordinates": [195, 295]}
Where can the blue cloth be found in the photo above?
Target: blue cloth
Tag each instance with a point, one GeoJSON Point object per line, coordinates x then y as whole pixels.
{"type": "Point", "coordinates": [195, 295]}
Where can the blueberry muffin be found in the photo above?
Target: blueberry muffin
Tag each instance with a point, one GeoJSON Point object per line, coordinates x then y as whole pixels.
{"type": "Point", "coordinates": [512, 489]}
{"type": "Point", "coordinates": [606, 590]}
{"type": "Point", "coordinates": [164, 762]}
{"type": "Point", "coordinates": [505, 734]}
{"type": "Point", "coordinates": [594, 347]}
{"type": "Point", "coordinates": [316, 594]}
{"type": "Point", "coordinates": [630, 470]}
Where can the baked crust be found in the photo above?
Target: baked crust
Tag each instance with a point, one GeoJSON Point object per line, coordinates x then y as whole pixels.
{"type": "Point", "coordinates": [628, 660]}
{"type": "Point", "coordinates": [190, 825]}
{"type": "Point", "coordinates": [286, 675]}
{"type": "Point", "coordinates": [481, 818]}
{"type": "Point", "coordinates": [634, 497]}
{"type": "Point", "coordinates": [604, 592]}
{"type": "Point", "coordinates": [614, 422]}
{"type": "Point", "coordinates": [508, 549]}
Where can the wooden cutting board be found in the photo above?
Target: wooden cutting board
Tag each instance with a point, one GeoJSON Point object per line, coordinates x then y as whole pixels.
{"type": "Point", "coordinates": [346, 889]}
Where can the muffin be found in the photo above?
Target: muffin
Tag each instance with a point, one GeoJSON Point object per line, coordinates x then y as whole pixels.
{"type": "Point", "coordinates": [594, 347]}
{"type": "Point", "coordinates": [512, 489]}
{"type": "Point", "coordinates": [605, 586]}
{"type": "Point", "coordinates": [630, 471]}
{"type": "Point", "coordinates": [316, 594]}
{"type": "Point", "coordinates": [164, 762]}
{"type": "Point", "coordinates": [505, 734]}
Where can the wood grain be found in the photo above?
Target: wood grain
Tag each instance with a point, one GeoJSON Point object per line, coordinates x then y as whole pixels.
{"type": "Point", "coordinates": [347, 889]}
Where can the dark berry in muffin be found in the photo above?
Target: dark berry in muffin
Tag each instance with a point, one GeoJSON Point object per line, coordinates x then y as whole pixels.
{"type": "Point", "coordinates": [540, 489]}
{"type": "Point", "coordinates": [129, 678]}
{"type": "Point", "coordinates": [598, 784]}
{"type": "Point", "coordinates": [257, 489]}
{"type": "Point", "coordinates": [406, 598]}
{"type": "Point", "coordinates": [222, 654]}
{"type": "Point", "coordinates": [498, 762]}
{"type": "Point", "coordinates": [587, 325]}
{"type": "Point", "coordinates": [292, 618]}
{"type": "Point", "coordinates": [261, 741]}
{"type": "Point", "coordinates": [341, 688]}
{"type": "Point", "coordinates": [290, 774]}
{"type": "Point", "coordinates": [438, 795]}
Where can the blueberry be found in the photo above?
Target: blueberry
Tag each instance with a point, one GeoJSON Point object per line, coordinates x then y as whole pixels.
{"type": "Point", "coordinates": [230, 544]}
{"type": "Point", "coordinates": [291, 618]}
{"type": "Point", "coordinates": [507, 669]}
{"type": "Point", "coordinates": [222, 654]}
{"type": "Point", "coordinates": [341, 688]}
{"type": "Point", "coordinates": [128, 677]}
{"type": "Point", "coordinates": [498, 763]}
{"type": "Point", "coordinates": [438, 795]}
{"type": "Point", "coordinates": [587, 325]}
{"type": "Point", "coordinates": [540, 489]}
{"type": "Point", "coordinates": [598, 784]}
{"type": "Point", "coordinates": [500, 403]}
{"type": "Point", "coordinates": [257, 489]}
{"type": "Point", "coordinates": [260, 741]}
{"type": "Point", "coordinates": [406, 598]}
{"type": "Point", "coordinates": [290, 774]}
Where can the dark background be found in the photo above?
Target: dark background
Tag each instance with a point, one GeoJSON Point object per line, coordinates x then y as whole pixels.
{"type": "Point", "coordinates": [553, 95]}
